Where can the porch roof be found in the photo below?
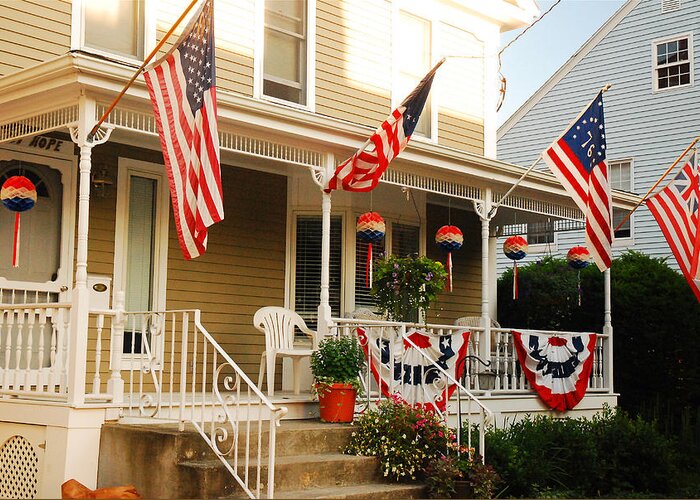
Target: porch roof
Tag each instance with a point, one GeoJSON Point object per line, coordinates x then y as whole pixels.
{"type": "Point", "coordinates": [47, 97]}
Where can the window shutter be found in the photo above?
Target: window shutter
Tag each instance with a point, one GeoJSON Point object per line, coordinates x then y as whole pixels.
{"type": "Point", "coordinates": [404, 239]}
{"type": "Point", "coordinates": [363, 297]}
{"type": "Point", "coordinates": [670, 5]}
{"type": "Point", "coordinates": [307, 287]}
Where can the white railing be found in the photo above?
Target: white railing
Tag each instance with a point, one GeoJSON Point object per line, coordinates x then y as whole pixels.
{"type": "Point", "coordinates": [428, 382]}
{"type": "Point", "coordinates": [34, 350]}
{"type": "Point", "coordinates": [166, 366]}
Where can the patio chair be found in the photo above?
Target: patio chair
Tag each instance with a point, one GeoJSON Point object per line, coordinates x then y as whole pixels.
{"type": "Point", "coordinates": [278, 324]}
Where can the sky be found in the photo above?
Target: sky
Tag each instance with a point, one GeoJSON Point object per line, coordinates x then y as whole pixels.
{"type": "Point", "coordinates": [540, 52]}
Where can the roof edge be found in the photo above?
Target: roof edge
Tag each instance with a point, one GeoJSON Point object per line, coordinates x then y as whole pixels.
{"type": "Point", "coordinates": [582, 51]}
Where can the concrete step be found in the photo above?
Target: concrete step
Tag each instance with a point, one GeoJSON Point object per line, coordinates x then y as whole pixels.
{"type": "Point", "coordinates": [211, 479]}
{"type": "Point", "coordinates": [373, 491]}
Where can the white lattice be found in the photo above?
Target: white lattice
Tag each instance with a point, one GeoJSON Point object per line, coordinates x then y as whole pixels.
{"type": "Point", "coordinates": [19, 469]}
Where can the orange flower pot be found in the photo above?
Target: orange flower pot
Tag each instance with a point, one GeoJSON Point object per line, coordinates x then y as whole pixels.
{"type": "Point", "coordinates": [337, 402]}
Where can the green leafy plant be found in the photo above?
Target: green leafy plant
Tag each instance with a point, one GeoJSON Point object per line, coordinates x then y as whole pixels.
{"type": "Point", "coordinates": [338, 360]}
{"type": "Point", "coordinates": [442, 474]}
{"type": "Point", "coordinates": [404, 438]}
{"type": "Point", "coordinates": [403, 286]}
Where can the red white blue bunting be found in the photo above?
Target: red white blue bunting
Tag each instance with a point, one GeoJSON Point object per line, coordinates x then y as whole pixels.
{"type": "Point", "coordinates": [407, 370]}
{"type": "Point", "coordinates": [557, 367]}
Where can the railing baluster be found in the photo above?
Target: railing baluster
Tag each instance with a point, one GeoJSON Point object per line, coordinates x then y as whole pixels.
{"type": "Point", "coordinates": [96, 382]}
{"type": "Point", "coordinates": [18, 349]}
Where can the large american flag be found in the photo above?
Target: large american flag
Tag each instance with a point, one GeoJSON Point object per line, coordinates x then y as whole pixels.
{"type": "Point", "coordinates": [675, 208]}
{"type": "Point", "coordinates": [362, 171]}
{"type": "Point", "coordinates": [577, 158]}
{"type": "Point", "coordinates": [182, 86]}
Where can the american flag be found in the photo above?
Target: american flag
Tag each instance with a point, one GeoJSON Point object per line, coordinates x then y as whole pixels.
{"type": "Point", "coordinates": [577, 158]}
{"type": "Point", "coordinates": [675, 208]}
{"type": "Point", "coordinates": [182, 86]}
{"type": "Point", "coordinates": [362, 171]}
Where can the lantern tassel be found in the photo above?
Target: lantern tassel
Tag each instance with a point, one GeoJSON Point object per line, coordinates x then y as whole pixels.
{"type": "Point", "coordinates": [449, 271]}
{"type": "Point", "coordinates": [368, 267]}
{"type": "Point", "coordinates": [515, 280]}
{"type": "Point", "coordinates": [15, 245]}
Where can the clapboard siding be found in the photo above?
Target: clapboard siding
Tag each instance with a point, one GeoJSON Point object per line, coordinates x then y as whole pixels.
{"type": "Point", "coordinates": [651, 128]}
{"type": "Point", "coordinates": [32, 32]}
{"type": "Point", "coordinates": [465, 299]}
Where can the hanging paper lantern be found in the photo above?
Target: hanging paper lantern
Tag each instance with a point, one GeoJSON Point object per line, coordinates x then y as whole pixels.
{"type": "Point", "coordinates": [450, 238]}
{"type": "Point", "coordinates": [515, 248]}
{"type": "Point", "coordinates": [579, 258]}
{"type": "Point", "coordinates": [19, 195]}
{"type": "Point", "coordinates": [370, 228]}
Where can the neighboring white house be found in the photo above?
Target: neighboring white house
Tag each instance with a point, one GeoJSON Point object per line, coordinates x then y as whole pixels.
{"type": "Point", "coordinates": [649, 50]}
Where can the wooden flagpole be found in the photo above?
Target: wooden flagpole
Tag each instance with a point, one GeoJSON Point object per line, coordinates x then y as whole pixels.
{"type": "Point", "coordinates": [138, 71]}
{"type": "Point", "coordinates": [517, 183]}
{"type": "Point", "coordinates": [678, 160]}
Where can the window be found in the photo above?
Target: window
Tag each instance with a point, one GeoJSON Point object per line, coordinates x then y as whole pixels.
{"type": "Point", "coordinates": [307, 286]}
{"type": "Point", "coordinates": [673, 63]}
{"type": "Point", "coordinates": [540, 233]}
{"type": "Point", "coordinates": [405, 239]}
{"type": "Point", "coordinates": [114, 26]}
{"type": "Point", "coordinates": [620, 174]}
{"type": "Point", "coordinates": [414, 61]}
{"type": "Point", "coordinates": [285, 64]}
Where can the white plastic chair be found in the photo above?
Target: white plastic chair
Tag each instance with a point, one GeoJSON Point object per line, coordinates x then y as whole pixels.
{"type": "Point", "coordinates": [278, 325]}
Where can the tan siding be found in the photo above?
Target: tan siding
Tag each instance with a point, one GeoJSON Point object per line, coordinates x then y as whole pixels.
{"type": "Point", "coordinates": [243, 268]}
{"type": "Point", "coordinates": [465, 300]}
{"type": "Point", "coordinates": [352, 74]}
{"type": "Point", "coordinates": [235, 36]}
{"type": "Point", "coordinates": [461, 133]}
{"type": "Point", "coordinates": [32, 32]}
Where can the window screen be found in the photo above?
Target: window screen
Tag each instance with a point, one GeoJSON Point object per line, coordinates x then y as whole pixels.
{"type": "Point", "coordinates": [284, 64]}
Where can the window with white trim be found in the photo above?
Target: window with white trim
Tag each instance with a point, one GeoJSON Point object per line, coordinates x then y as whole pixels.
{"type": "Point", "coordinates": [673, 63]}
{"type": "Point", "coordinates": [114, 26]}
{"type": "Point", "coordinates": [620, 177]}
{"type": "Point", "coordinates": [307, 270]}
{"type": "Point", "coordinates": [285, 61]}
{"type": "Point", "coordinates": [414, 61]}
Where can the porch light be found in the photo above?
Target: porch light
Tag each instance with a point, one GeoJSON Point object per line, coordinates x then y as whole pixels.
{"type": "Point", "coordinates": [101, 180]}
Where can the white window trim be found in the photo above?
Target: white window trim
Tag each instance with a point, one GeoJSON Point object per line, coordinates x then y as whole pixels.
{"type": "Point", "coordinates": [654, 65]}
{"type": "Point", "coordinates": [67, 168]}
{"type": "Point", "coordinates": [425, 12]}
{"type": "Point", "coordinates": [629, 241]}
{"type": "Point", "coordinates": [128, 167]}
{"type": "Point", "coordinates": [259, 54]}
{"type": "Point", "coordinates": [77, 36]}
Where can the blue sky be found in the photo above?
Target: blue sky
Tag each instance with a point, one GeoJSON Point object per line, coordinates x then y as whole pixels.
{"type": "Point", "coordinates": [537, 55]}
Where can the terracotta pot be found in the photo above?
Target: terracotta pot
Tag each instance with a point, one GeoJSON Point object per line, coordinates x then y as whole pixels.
{"type": "Point", "coordinates": [337, 402]}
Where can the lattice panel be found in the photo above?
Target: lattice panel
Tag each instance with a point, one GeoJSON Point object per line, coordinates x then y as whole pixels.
{"type": "Point", "coordinates": [19, 469]}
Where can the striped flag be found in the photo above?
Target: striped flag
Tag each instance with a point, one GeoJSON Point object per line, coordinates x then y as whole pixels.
{"type": "Point", "coordinates": [675, 208]}
{"type": "Point", "coordinates": [182, 86]}
{"type": "Point", "coordinates": [362, 171]}
{"type": "Point", "coordinates": [577, 158]}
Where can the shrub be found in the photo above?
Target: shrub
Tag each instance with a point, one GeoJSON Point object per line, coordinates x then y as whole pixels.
{"type": "Point", "coordinates": [404, 438]}
{"type": "Point", "coordinates": [338, 360]}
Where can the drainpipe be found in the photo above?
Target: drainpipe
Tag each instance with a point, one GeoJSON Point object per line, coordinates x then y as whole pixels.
{"type": "Point", "coordinates": [78, 334]}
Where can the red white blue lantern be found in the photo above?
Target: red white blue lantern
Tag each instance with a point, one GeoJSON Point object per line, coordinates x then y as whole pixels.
{"type": "Point", "coordinates": [515, 248]}
{"type": "Point", "coordinates": [19, 195]}
{"type": "Point", "coordinates": [370, 229]}
{"type": "Point", "coordinates": [578, 258]}
{"type": "Point", "coordinates": [449, 238]}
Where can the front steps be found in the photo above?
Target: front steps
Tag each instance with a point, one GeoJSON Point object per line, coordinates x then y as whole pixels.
{"type": "Point", "coordinates": [165, 463]}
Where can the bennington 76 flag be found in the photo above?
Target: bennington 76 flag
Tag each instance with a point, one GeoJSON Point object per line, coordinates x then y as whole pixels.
{"type": "Point", "coordinates": [558, 368]}
{"type": "Point", "coordinates": [400, 368]}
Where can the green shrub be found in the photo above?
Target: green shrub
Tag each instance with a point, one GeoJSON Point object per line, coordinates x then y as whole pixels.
{"type": "Point", "coordinates": [338, 360]}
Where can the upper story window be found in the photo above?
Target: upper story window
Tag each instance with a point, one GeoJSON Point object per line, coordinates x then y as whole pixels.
{"type": "Point", "coordinates": [673, 63]}
{"type": "Point", "coordinates": [285, 61]}
{"type": "Point", "coordinates": [620, 176]}
{"type": "Point", "coordinates": [114, 26]}
{"type": "Point", "coordinates": [414, 57]}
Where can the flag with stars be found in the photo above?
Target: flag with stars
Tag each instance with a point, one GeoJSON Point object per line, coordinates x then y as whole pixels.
{"type": "Point", "coordinates": [577, 158]}
{"type": "Point", "coordinates": [406, 366]}
{"type": "Point", "coordinates": [182, 86]}
{"type": "Point", "coordinates": [676, 210]}
{"type": "Point", "coordinates": [362, 171]}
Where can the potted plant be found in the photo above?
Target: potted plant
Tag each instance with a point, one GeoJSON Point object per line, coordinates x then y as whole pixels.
{"type": "Point", "coordinates": [404, 286]}
{"type": "Point", "coordinates": [336, 368]}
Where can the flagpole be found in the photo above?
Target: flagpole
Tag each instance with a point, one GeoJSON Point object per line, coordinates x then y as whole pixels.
{"type": "Point", "coordinates": [678, 160]}
{"type": "Point", "coordinates": [605, 88]}
{"type": "Point", "coordinates": [138, 71]}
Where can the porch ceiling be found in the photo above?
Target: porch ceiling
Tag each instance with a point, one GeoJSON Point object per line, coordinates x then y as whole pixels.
{"type": "Point", "coordinates": [47, 97]}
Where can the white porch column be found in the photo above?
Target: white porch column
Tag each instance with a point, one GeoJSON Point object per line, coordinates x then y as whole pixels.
{"type": "Point", "coordinates": [608, 330]}
{"type": "Point", "coordinates": [324, 307]}
{"type": "Point", "coordinates": [483, 209]}
{"type": "Point", "coordinates": [77, 340]}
